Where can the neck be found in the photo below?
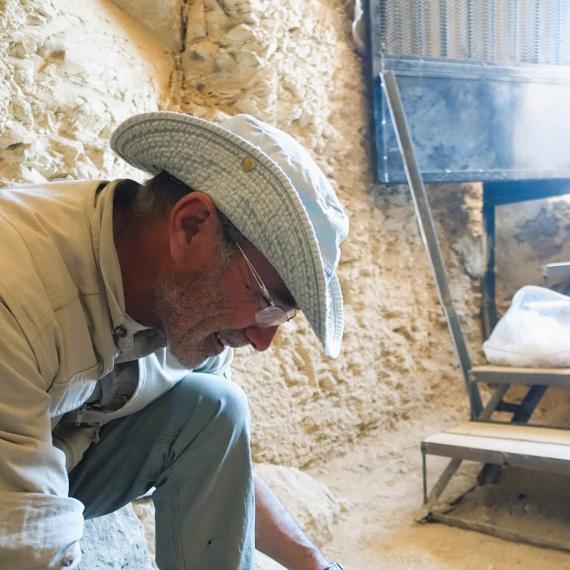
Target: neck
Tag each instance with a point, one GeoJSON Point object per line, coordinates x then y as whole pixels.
{"type": "Point", "coordinates": [138, 262]}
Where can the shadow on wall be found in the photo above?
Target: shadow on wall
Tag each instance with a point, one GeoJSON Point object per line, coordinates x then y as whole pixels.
{"type": "Point", "coordinates": [529, 236]}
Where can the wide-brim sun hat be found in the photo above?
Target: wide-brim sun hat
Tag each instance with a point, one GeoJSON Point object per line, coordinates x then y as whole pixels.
{"type": "Point", "coordinates": [270, 188]}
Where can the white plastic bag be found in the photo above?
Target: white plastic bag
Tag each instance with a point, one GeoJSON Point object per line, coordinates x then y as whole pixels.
{"type": "Point", "coordinates": [534, 332]}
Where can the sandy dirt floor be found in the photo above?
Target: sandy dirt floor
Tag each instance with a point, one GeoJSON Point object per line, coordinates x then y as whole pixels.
{"type": "Point", "coordinates": [381, 481]}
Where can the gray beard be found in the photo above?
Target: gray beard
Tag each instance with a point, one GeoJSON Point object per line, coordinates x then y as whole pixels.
{"type": "Point", "coordinates": [183, 309]}
{"type": "Point", "coordinates": [186, 309]}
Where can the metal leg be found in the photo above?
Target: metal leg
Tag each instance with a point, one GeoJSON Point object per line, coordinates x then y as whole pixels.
{"type": "Point", "coordinates": [424, 476]}
{"type": "Point", "coordinates": [442, 482]}
{"type": "Point", "coordinates": [428, 233]}
{"type": "Point", "coordinates": [488, 308]}
{"type": "Point", "coordinates": [438, 488]}
{"type": "Point", "coordinates": [494, 402]}
{"type": "Point", "coordinates": [529, 403]}
{"type": "Point", "coordinates": [489, 473]}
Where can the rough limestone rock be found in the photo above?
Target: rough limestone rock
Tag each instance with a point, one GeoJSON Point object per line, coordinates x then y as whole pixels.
{"type": "Point", "coordinates": [144, 509]}
{"type": "Point", "coordinates": [70, 71]}
{"type": "Point", "coordinates": [163, 18]}
{"type": "Point", "coordinates": [115, 541]}
{"type": "Point", "coordinates": [311, 502]}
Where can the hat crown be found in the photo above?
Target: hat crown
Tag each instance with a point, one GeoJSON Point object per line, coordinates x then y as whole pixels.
{"type": "Point", "coordinates": [323, 208]}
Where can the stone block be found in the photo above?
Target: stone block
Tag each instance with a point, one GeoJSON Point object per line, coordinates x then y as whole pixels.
{"type": "Point", "coordinates": [115, 541]}
{"type": "Point", "coordinates": [311, 502]}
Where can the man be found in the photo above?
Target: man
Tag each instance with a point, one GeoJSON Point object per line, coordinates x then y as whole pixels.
{"type": "Point", "coordinates": [237, 229]}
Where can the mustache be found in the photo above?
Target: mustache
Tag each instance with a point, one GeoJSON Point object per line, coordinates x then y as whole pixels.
{"type": "Point", "coordinates": [233, 338]}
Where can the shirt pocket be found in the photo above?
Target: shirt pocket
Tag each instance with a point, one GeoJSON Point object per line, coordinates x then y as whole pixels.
{"type": "Point", "coordinates": [76, 367]}
{"type": "Point", "coordinates": [70, 395]}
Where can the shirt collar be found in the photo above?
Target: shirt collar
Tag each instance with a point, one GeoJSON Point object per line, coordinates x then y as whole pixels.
{"type": "Point", "coordinates": [108, 260]}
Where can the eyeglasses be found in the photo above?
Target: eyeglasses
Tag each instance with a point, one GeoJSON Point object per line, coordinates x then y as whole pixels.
{"type": "Point", "coordinates": [273, 315]}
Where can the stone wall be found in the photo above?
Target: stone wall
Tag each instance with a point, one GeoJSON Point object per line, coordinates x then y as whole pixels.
{"type": "Point", "coordinates": [294, 63]}
{"type": "Point", "coordinates": [72, 70]}
{"type": "Point", "coordinates": [529, 235]}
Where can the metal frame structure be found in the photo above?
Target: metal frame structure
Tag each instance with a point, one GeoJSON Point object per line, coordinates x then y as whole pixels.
{"type": "Point", "coordinates": [537, 380]}
{"type": "Point", "coordinates": [477, 97]}
{"type": "Point", "coordinates": [483, 80]}
{"type": "Point", "coordinates": [497, 444]}
{"type": "Point", "coordinates": [474, 122]}
{"type": "Point", "coordinates": [500, 193]}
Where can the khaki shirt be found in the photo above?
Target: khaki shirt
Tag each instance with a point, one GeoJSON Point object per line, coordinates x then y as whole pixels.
{"type": "Point", "coordinates": [65, 343]}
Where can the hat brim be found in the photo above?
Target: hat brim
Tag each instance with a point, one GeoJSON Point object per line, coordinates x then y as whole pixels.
{"type": "Point", "coordinates": [260, 201]}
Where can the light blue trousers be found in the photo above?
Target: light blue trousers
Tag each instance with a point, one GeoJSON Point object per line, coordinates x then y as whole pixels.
{"type": "Point", "coordinates": [193, 445]}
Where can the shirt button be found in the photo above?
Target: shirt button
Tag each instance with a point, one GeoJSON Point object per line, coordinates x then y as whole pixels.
{"type": "Point", "coordinates": [120, 332]}
{"type": "Point", "coordinates": [67, 561]}
{"type": "Point", "coordinates": [120, 337]}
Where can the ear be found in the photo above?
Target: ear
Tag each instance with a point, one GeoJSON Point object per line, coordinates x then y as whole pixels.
{"type": "Point", "coordinates": [193, 230]}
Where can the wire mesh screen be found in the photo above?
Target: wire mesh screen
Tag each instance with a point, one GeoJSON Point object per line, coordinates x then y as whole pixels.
{"type": "Point", "coordinates": [490, 31]}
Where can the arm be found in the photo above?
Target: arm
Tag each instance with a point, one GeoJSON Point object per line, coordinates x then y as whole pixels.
{"type": "Point", "coordinates": [279, 536]}
{"type": "Point", "coordinates": [40, 526]}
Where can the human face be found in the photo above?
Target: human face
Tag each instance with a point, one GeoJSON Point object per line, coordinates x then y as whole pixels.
{"type": "Point", "coordinates": [203, 313]}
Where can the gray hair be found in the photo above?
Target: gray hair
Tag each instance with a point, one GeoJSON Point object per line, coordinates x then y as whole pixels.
{"type": "Point", "coordinates": [158, 195]}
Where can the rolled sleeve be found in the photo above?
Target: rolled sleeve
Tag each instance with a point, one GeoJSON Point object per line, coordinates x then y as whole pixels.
{"type": "Point", "coordinates": [40, 526]}
{"type": "Point", "coordinates": [166, 369]}
{"type": "Point", "coordinates": [39, 531]}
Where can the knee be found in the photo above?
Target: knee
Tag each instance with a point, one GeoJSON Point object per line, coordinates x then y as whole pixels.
{"type": "Point", "coordinates": [221, 399]}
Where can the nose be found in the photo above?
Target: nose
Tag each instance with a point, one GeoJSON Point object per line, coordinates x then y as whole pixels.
{"type": "Point", "coordinates": [260, 337]}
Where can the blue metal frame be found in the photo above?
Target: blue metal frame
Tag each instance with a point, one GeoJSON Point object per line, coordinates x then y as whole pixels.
{"type": "Point", "coordinates": [462, 121]}
{"type": "Point", "coordinates": [471, 121]}
{"type": "Point", "coordinates": [510, 192]}
{"type": "Point", "coordinates": [499, 194]}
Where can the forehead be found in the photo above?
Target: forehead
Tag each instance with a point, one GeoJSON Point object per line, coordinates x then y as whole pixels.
{"type": "Point", "coordinates": [271, 279]}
